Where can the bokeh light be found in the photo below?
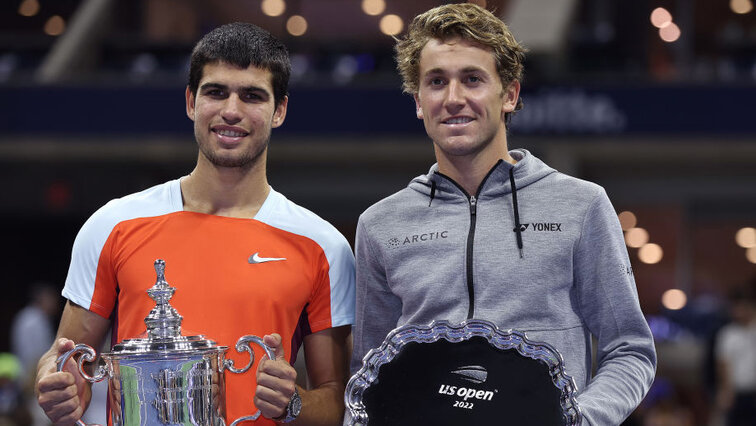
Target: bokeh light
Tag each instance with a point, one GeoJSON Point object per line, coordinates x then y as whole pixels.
{"type": "Point", "coordinates": [660, 17]}
{"type": "Point", "coordinates": [674, 299]}
{"type": "Point", "coordinates": [55, 26]}
{"type": "Point", "coordinates": [751, 254]}
{"type": "Point", "coordinates": [391, 25]}
{"type": "Point", "coordinates": [636, 237]}
{"type": "Point", "coordinates": [741, 7]}
{"type": "Point", "coordinates": [296, 25]}
{"type": "Point", "coordinates": [670, 33]}
{"type": "Point", "coordinates": [746, 237]}
{"type": "Point", "coordinates": [273, 7]}
{"type": "Point", "coordinates": [373, 7]}
{"type": "Point", "coordinates": [650, 253]}
{"type": "Point", "coordinates": [28, 8]}
{"type": "Point", "coordinates": [627, 220]}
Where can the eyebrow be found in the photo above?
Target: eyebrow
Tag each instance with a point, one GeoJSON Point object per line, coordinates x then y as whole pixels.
{"type": "Point", "coordinates": [248, 89]}
{"type": "Point", "coordinates": [465, 70]}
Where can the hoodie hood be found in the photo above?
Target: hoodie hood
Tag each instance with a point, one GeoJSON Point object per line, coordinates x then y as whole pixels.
{"type": "Point", "coordinates": [527, 170]}
{"type": "Point", "coordinates": [503, 178]}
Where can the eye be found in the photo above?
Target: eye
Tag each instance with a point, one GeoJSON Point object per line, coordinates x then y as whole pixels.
{"type": "Point", "coordinates": [215, 93]}
{"type": "Point", "coordinates": [436, 81]}
{"type": "Point", "coordinates": [252, 97]}
{"type": "Point", "coordinates": [474, 79]}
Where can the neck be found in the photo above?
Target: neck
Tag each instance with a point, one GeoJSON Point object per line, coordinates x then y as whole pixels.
{"type": "Point", "coordinates": [225, 191]}
{"type": "Point", "coordinates": [470, 170]}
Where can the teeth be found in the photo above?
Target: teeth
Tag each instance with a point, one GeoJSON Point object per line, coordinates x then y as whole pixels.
{"type": "Point", "coordinates": [230, 133]}
{"type": "Point", "coordinates": [459, 120]}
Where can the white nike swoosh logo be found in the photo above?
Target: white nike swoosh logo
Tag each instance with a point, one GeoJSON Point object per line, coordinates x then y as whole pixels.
{"type": "Point", "coordinates": [255, 258]}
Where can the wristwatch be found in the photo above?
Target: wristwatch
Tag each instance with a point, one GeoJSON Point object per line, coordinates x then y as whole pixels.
{"type": "Point", "coordinates": [293, 408]}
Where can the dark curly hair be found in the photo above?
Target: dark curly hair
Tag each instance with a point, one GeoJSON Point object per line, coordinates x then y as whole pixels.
{"type": "Point", "coordinates": [242, 44]}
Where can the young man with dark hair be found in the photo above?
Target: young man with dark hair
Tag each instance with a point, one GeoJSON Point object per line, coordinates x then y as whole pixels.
{"type": "Point", "coordinates": [243, 258]}
{"type": "Point", "coordinates": [495, 234]}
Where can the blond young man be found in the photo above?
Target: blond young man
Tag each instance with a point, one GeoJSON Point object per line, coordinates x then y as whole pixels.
{"type": "Point", "coordinates": [496, 234]}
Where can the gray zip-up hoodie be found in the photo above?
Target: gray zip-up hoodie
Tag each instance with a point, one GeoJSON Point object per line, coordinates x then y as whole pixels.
{"type": "Point", "coordinates": [547, 258]}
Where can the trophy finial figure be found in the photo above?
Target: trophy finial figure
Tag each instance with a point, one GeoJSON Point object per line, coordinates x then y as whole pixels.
{"type": "Point", "coordinates": [163, 321]}
{"type": "Point", "coordinates": [160, 270]}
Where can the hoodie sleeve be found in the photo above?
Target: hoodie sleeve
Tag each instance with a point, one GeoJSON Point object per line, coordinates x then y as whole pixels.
{"type": "Point", "coordinates": [609, 306]}
{"type": "Point", "coordinates": [377, 308]}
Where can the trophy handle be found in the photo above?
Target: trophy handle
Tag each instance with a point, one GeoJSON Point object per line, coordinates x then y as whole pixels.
{"type": "Point", "coordinates": [243, 345]}
{"type": "Point", "coordinates": [87, 354]}
{"type": "Point", "coordinates": [246, 419]}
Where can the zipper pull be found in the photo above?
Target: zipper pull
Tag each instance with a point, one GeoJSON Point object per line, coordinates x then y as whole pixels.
{"type": "Point", "coordinates": [473, 204]}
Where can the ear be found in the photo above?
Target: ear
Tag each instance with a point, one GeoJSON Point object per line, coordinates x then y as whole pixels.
{"type": "Point", "coordinates": [279, 115]}
{"type": "Point", "coordinates": [418, 108]}
{"type": "Point", "coordinates": [511, 94]}
{"type": "Point", "coordinates": [189, 103]}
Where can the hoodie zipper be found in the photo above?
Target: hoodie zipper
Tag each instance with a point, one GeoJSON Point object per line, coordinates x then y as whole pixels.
{"type": "Point", "coordinates": [473, 201]}
{"type": "Point", "coordinates": [470, 241]}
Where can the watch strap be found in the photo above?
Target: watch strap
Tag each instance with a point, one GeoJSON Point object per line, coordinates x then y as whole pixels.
{"type": "Point", "coordinates": [292, 409]}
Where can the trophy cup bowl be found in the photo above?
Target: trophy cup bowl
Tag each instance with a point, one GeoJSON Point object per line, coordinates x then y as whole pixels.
{"type": "Point", "coordinates": [166, 378]}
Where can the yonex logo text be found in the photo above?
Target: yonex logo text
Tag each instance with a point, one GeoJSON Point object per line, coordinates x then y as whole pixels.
{"type": "Point", "coordinates": [541, 227]}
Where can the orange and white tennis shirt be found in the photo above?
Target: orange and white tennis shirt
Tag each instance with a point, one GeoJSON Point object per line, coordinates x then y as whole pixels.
{"type": "Point", "coordinates": [286, 271]}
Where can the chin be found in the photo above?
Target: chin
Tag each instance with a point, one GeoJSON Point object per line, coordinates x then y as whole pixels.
{"type": "Point", "coordinates": [459, 148]}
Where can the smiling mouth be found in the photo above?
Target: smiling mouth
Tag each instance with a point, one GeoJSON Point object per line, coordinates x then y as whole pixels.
{"type": "Point", "coordinates": [230, 133]}
{"type": "Point", "coordinates": [458, 120]}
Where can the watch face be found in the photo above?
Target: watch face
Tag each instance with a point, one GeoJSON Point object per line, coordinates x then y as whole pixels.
{"type": "Point", "coordinates": [296, 405]}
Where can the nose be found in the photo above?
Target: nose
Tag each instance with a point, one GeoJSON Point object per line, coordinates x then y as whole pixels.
{"type": "Point", "coordinates": [454, 95]}
{"type": "Point", "coordinates": [231, 111]}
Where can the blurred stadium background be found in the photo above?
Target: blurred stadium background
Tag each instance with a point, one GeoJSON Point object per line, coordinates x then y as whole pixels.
{"type": "Point", "coordinates": [653, 99]}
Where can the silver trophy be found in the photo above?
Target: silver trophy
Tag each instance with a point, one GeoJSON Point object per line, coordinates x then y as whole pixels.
{"type": "Point", "coordinates": [166, 378]}
{"type": "Point", "coordinates": [469, 373]}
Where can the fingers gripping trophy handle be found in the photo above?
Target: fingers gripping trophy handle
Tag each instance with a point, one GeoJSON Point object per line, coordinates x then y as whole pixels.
{"type": "Point", "coordinates": [243, 345]}
{"type": "Point", "coordinates": [87, 354]}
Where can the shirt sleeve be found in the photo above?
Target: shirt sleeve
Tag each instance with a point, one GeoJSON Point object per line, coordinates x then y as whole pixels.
{"type": "Point", "coordinates": [609, 307]}
{"type": "Point", "coordinates": [335, 293]}
{"type": "Point", "coordinates": [89, 283]}
{"type": "Point", "coordinates": [377, 309]}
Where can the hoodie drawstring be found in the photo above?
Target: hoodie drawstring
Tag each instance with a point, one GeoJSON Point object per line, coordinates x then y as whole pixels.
{"type": "Point", "coordinates": [433, 192]}
{"type": "Point", "coordinates": [518, 228]}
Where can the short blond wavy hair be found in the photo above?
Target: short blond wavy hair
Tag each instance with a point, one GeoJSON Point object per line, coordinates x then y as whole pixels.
{"type": "Point", "coordinates": [469, 22]}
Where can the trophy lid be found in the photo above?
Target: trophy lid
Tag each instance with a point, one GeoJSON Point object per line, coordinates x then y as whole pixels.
{"type": "Point", "coordinates": [163, 326]}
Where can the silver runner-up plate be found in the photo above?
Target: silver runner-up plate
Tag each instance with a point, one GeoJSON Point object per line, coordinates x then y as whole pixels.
{"type": "Point", "coordinates": [461, 374]}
